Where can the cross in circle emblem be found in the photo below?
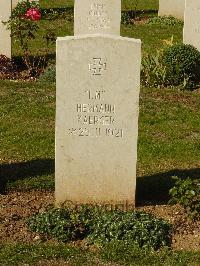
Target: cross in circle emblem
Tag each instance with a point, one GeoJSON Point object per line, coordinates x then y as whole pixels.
{"type": "Point", "coordinates": [96, 67]}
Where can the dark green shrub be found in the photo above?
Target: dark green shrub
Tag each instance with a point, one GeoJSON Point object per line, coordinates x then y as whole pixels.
{"type": "Point", "coordinates": [101, 226]}
{"type": "Point", "coordinates": [182, 64]}
{"type": "Point", "coordinates": [187, 193]}
{"type": "Point", "coordinates": [49, 75]}
{"type": "Point", "coordinates": [127, 18]}
{"type": "Point", "coordinates": [153, 73]}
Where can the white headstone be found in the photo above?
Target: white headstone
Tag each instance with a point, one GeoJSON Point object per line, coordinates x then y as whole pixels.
{"type": "Point", "coordinates": [5, 39]}
{"type": "Point", "coordinates": [102, 16]}
{"type": "Point", "coordinates": [191, 32]}
{"type": "Point", "coordinates": [14, 3]}
{"type": "Point", "coordinates": [174, 8]}
{"type": "Point", "coordinates": [98, 81]}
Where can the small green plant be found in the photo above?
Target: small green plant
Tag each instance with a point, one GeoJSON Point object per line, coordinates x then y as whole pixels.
{"type": "Point", "coordinates": [165, 21]}
{"type": "Point", "coordinates": [177, 64]}
{"type": "Point", "coordinates": [187, 193]}
{"type": "Point", "coordinates": [101, 226]}
{"type": "Point", "coordinates": [182, 62]}
{"type": "Point", "coordinates": [127, 18]}
{"type": "Point", "coordinates": [49, 75]}
{"type": "Point", "coordinates": [153, 73]}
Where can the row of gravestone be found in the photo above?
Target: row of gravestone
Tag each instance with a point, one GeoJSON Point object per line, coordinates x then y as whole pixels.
{"type": "Point", "coordinates": [176, 8]}
{"type": "Point", "coordinates": [97, 106]}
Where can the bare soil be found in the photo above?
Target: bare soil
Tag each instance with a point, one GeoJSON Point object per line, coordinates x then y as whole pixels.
{"type": "Point", "coordinates": [15, 207]}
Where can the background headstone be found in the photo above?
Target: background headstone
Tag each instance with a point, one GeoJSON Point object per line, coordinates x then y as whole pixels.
{"type": "Point", "coordinates": [191, 32]}
{"type": "Point", "coordinates": [173, 8]}
{"type": "Point", "coordinates": [14, 3]}
{"type": "Point", "coordinates": [103, 16]}
{"type": "Point", "coordinates": [5, 39]}
{"type": "Point", "coordinates": [98, 79]}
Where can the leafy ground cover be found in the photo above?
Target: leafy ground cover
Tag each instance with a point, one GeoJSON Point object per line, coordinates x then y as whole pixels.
{"type": "Point", "coordinates": [16, 239]}
{"type": "Point", "coordinates": [169, 133]}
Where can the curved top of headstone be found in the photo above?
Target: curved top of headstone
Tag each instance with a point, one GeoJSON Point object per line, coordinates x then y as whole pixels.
{"type": "Point", "coordinates": [100, 16]}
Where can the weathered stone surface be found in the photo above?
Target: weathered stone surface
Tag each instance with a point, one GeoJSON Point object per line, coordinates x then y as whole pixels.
{"type": "Point", "coordinates": [5, 39]}
{"type": "Point", "coordinates": [191, 32]}
{"type": "Point", "coordinates": [14, 3]}
{"type": "Point", "coordinates": [102, 16]}
{"type": "Point", "coordinates": [98, 79]}
{"type": "Point", "coordinates": [173, 8]}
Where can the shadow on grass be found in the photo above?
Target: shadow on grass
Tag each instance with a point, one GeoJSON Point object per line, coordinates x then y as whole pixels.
{"type": "Point", "coordinates": [17, 171]}
{"type": "Point", "coordinates": [70, 9]}
{"type": "Point", "coordinates": [154, 189]}
{"type": "Point", "coordinates": [135, 13]}
{"type": "Point", "coordinates": [37, 59]}
{"type": "Point", "coordinates": [151, 189]}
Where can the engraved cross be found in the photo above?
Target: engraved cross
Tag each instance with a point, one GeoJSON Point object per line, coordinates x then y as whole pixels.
{"type": "Point", "coordinates": [97, 67]}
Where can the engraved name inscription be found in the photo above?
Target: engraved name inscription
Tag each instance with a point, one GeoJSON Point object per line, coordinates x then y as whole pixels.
{"type": "Point", "coordinates": [98, 17]}
{"type": "Point", "coordinates": [95, 108]}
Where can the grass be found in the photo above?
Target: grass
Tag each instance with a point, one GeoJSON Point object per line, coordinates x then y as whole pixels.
{"type": "Point", "coordinates": [168, 125]}
{"type": "Point", "coordinates": [112, 254]}
{"type": "Point", "coordinates": [31, 254]}
{"type": "Point", "coordinates": [168, 129]}
{"type": "Point", "coordinates": [56, 4]}
{"type": "Point", "coordinates": [168, 136]}
{"type": "Point", "coordinates": [152, 36]}
{"type": "Point", "coordinates": [127, 254]}
{"type": "Point", "coordinates": [126, 4]}
{"type": "Point", "coordinates": [27, 135]}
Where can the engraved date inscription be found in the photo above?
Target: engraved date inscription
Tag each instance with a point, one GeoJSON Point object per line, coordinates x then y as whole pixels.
{"type": "Point", "coordinates": [96, 132]}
